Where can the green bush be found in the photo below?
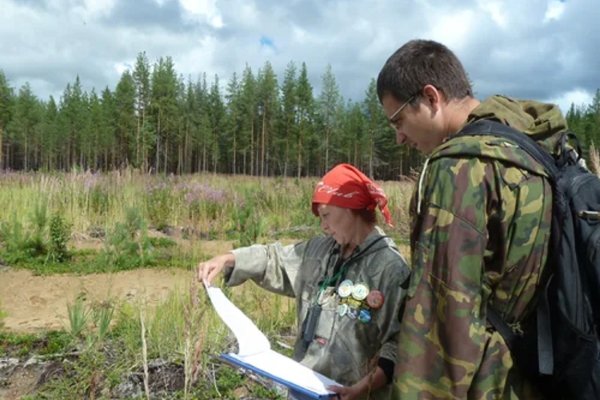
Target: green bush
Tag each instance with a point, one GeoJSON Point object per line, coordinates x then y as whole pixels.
{"type": "Point", "coordinates": [60, 232]}
{"type": "Point", "coordinates": [43, 240]}
{"type": "Point", "coordinates": [128, 245]}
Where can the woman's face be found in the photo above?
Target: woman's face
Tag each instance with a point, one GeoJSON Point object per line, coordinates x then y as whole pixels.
{"type": "Point", "coordinates": [338, 222]}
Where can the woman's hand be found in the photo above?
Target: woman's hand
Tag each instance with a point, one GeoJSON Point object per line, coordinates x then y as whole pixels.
{"type": "Point", "coordinates": [346, 392]}
{"type": "Point", "coordinates": [207, 270]}
{"type": "Point", "coordinates": [370, 382]}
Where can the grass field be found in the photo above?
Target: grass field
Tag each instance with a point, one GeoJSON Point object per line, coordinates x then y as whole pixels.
{"type": "Point", "coordinates": [84, 223]}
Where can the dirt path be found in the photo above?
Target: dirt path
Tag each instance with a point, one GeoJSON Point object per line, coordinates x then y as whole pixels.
{"type": "Point", "coordinates": [34, 303]}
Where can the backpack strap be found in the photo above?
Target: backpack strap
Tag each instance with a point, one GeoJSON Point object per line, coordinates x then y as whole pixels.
{"type": "Point", "coordinates": [544, 333]}
{"type": "Point", "coordinates": [509, 336]}
{"type": "Point", "coordinates": [495, 128]}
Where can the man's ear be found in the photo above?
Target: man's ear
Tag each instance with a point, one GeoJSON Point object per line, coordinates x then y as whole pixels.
{"type": "Point", "coordinates": [433, 96]}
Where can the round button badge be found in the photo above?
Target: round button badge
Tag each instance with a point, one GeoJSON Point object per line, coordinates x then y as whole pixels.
{"type": "Point", "coordinates": [345, 289]}
{"type": "Point", "coordinates": [352, 302]}
{"type": "Point", "coordinates": [364, 316]}
{"type": "Point", "coordinates": [352, 313]}
{"type": "Point", "coordinates": [360, 291]}
{"type": "Point", "coordinates": [342, 309]}
{"type": "Point", "coordinates": [375, 299]}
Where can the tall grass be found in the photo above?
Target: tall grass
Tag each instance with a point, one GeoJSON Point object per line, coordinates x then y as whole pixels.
{"type": "Point", "coordinates": [48, 212]}
{"type": "Point", "coordinates": [204, 206]}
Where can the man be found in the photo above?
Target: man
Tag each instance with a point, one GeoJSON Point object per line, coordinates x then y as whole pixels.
{"type": "Point", "coordinates": [481, 223]}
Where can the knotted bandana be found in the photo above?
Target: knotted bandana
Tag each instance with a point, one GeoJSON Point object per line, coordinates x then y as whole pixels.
{"type": "Point", "coordinates": [345, 186]}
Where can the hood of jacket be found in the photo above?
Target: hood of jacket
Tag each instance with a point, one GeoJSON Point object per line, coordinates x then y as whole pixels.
{"type": "Point", "coordinates": [544, 122]}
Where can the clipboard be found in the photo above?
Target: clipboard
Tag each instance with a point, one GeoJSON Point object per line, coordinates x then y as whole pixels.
{"type": "Point", "coordinates": [305, 392]}
{"type": "Point", "coordinates": [255, 353]}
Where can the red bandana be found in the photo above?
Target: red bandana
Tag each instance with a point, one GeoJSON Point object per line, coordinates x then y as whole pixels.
{"type": "Point", "coordinates": [345, 186]}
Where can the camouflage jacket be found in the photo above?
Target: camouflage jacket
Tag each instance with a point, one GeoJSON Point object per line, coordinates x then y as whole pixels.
{"type": "Point", "coordinates": [344, 348]}
{"type": "Point", "coordinates": [480, 228]}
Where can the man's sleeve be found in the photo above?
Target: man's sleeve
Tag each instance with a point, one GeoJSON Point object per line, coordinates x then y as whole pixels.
{"type": "Point", "coordinates": [442, 334]}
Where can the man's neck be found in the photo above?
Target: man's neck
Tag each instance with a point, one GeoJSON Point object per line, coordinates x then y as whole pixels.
{"type": "Point", "coordinates": [459, 111]}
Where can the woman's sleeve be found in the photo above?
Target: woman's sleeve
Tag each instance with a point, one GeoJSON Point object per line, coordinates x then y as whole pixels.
{"type": "Point", "coordinates": [389, 320]}
{"type": "Point", "coordinates": [274, 267]}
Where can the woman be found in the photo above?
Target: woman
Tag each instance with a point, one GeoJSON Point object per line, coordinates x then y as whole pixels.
{"type": "Point", "coordinates": [347, 285]}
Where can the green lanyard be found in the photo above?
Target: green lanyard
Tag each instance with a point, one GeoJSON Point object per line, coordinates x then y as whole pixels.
{"type": "Point", "coordinates": [335, 276]}
{"type": "Point", "coordinates": [345, 264]}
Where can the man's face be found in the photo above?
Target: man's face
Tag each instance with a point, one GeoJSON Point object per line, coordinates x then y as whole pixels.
{"type": "Point", "coordinates": [414, 123]}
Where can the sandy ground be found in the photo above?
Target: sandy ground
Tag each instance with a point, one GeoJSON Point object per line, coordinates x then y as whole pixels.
{"type": "Point", "coordinates": [38, 303]}
{"type": "Point", "coordinates": [34, 303]}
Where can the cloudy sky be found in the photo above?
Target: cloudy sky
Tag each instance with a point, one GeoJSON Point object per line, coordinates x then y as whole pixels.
{"type": "Point", "coordinates": [546, 50]}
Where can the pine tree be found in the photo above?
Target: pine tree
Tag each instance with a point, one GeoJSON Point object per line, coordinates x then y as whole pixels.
{"type": "Point", "coordinates": [234, 121]}
{"type": "Point", "coordinates": [203, 124]}
{"type": "Point", "coordinates": [216, 115]}
{"type": "Point", "coordinates": [305, 122]}
{"type": "Point", "coordinates": [23, 126]}
{"type": "Point", "coordinates": [141, 78]}
{"type": "Point", "coordinates": [330, 108]}
{"type": "Point", "coordinates": [248, 108]}
{"type": "Point", "coordinates": [268, 104]}
{"type": "Point", "coordinates": [6, 100]}
{"type": "Point", "coordinates": [190, 127]}
{"type": "Point", "coordinates": [164, 84]}
{"type": "Point", "coordinates": [107, 131]}
{"type": "Point", "coordinates": [72, 110]}
{"type": "Point", "coordinates": [50, 137]}
{"type": "Point", "coordinates": [287, 120]}
{"type": "Point", "coordinates": [354, 137]}
{"type": "Point", "coordinates": [125, 119]}
{"type": "Point", "coordinates": [383, 154]}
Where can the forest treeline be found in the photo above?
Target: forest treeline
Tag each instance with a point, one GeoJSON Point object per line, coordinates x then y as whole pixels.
{"type": "Point", "coordinates": [158, 121]}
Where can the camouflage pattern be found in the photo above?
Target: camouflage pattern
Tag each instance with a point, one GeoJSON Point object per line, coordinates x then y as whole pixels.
{"type": "Point", "coordinates": [543, 122]}
{"type": "Point", "coordinates": [344, 349]}
{"type": "Point", "coordinates": [480, 238]}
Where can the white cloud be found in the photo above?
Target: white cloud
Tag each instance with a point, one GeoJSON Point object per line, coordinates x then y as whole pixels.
{"type": "Point", "coordinates": [97, 8]}
{"type": "Point", "coordinates": [555, 10]}
{"type": "Point", "coordinates": [577, 97]}
{"type": "Point", "coordinates": [200, 59]}
{"type": "Point", "coordinates": [452, 27]}
{"type": "Point", "coordinates": [531, 49]}
{"type": "Point", "coordinates": [496, 10]}
{"type": "Point", "coordinates": [205, 10]}
{"type": "Point", "coordinates": [121, 67]}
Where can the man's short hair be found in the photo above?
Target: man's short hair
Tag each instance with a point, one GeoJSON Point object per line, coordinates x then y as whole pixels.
{"type": "Point", "coordinates": [423, 62]}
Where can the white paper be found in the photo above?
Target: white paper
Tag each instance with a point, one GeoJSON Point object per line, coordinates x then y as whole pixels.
{"type": "Point", "coordinates": [250, 339]}
{"type": "Point", "coordinates": [255, 349]}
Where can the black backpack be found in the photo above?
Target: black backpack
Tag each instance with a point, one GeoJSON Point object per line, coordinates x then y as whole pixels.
{"type": "Point", "coordinates": [559, 347]}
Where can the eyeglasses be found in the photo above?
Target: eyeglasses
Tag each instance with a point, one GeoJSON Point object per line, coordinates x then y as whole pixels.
{"type": "Point", "coordinates": [395, 116]}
